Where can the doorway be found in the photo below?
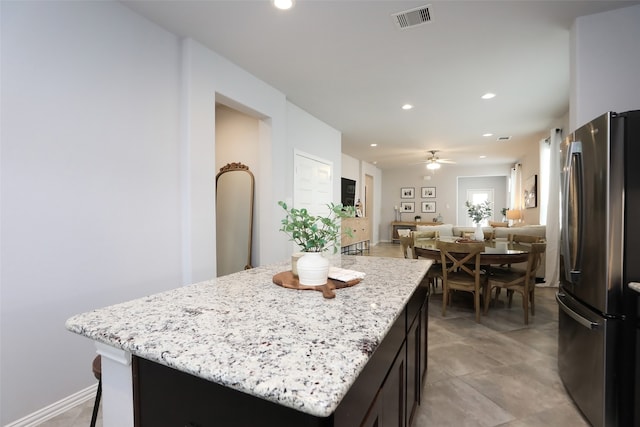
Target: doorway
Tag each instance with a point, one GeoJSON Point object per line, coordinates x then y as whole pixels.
{"type": "Point", "coordinates": [313, 184]}
{"type": "Point", "coordinates": [476, 196]}
{"type": "Point", "coordinates": [478, 188]}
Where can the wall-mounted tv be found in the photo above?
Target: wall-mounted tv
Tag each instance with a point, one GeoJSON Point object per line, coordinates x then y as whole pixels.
{"type": "Point", "coordinates": [348, 194]}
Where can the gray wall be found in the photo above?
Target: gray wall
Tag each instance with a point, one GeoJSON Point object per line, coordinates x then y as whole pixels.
{"type": "Point", "coordinates": [444, 179]}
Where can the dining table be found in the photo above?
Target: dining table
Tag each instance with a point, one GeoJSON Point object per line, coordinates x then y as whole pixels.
{"type": "Point", "coordinates": [496, 252]}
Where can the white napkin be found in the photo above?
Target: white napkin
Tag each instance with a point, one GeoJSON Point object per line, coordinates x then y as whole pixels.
{"type": "Point", "coordinates": [344, 275]}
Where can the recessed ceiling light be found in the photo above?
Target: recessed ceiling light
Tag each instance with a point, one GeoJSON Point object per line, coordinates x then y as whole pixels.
{"type": "Point", "coordinates": [487, 134]}
{"type": "Point", "coordinates": [483, 157]}
{"type": "Point", "coordinates": [374, 145]}
{"type": "Point", "coordinates": [283, 4]}
{"type": "Point", "coordinates": [407, 107]}
{"type": "Point", "coordinates": [488, 95]}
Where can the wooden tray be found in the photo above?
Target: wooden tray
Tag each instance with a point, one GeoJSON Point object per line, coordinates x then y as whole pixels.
{"type": "Point", "coordinates": [286, 279]}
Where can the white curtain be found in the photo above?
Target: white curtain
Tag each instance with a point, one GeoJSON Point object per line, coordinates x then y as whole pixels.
{"type": "Point", "coordinates": [516, 187]}
{"type": "Point", "coordinates": [552, 196]}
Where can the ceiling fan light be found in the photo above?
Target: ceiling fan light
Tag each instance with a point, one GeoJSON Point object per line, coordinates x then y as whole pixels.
{"type": "Point", "coordinates": [283, 4]}
{"type": "Point", "coordinates": [433, 165]}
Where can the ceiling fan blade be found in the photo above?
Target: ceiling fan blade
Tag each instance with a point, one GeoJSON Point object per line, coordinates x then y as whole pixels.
{"type": "Point", "coordinates": [448, 161]}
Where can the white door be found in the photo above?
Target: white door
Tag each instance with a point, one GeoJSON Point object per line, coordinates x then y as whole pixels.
{"type": "Point", "coordinates": [479, 196]}
{"type": "Point", "coordinates": [313, 184]}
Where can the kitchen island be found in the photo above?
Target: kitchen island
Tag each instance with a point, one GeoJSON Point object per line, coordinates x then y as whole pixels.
{"type": "Point", "coordinates": [239, 350]}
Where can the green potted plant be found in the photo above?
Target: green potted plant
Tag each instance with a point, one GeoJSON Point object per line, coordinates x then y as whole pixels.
{"type": "Point", "coordinates": [314, 235]}
{"type": "Point", "coordinates": [478, 213]}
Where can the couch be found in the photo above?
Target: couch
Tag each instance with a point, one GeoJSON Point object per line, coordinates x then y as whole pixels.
{"type": "Point", "coordinates": [501, 232]}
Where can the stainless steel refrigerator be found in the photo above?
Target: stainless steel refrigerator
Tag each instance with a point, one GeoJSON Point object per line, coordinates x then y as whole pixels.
{"type": "Point", "coordinates": [599, 256]}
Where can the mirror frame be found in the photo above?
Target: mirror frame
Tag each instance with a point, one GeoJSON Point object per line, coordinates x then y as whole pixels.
{"type": "Point", "coordinates": [239, 167]}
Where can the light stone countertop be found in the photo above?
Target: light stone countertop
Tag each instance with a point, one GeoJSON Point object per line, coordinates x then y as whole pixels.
{"type": "Point", "coordinates": [291, 347]}
{"type": "Point", "coordinates": [635, 286]}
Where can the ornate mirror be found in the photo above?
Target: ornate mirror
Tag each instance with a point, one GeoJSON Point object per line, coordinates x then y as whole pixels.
{"type": "Point", "coordinates": [234, 218]}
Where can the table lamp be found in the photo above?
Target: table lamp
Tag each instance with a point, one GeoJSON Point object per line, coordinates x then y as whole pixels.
{"type": "Point", "coordinates": [514, 215]}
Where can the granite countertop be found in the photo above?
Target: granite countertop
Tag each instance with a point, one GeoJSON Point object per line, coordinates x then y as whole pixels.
{"type": "Point", "coordinates": [292, 347]}
{"type": "Point", "coordinates": [635, 286]}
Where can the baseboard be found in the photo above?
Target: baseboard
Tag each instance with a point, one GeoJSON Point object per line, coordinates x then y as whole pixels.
{"type": "Point", "coordinates": [57, 408]}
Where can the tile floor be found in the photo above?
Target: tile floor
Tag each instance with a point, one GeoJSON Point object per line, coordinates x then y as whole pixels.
{"type": "Point", "coordinates": [497, 373]}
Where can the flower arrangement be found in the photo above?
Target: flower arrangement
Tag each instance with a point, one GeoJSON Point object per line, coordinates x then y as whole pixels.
{"type": "Point", "coordinates": [479, 211]}
{"type": "Point", "coordinates": [315, 233]}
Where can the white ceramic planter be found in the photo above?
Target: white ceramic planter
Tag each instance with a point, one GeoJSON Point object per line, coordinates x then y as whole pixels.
{"type": "Point", "coordinates": [313, 269]}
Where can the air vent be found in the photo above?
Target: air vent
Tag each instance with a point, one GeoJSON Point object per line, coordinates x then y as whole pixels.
{"type": "Point", "coordinates": [411, 18]}
{"type": "Point", "coordinates": [503, 138]}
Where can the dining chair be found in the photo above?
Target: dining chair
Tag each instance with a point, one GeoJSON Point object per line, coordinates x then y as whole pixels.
{"type": "Point", "coordinates": [518, 280]}
{"type": "Point", "coordinates": [435, 271]}
{"type": "Point", "coordinates": [490, 235]}
{"type": "Point", "coordinates": [461, 271]}
{"type": "Point", "coordinates": [417, 235]}
{"type": "Point", "coordinates": [407, 245]}
{"type": "Point", "coordinates": [523, 238]}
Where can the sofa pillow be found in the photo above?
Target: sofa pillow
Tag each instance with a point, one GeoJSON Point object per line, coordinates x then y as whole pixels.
{"type": "Point", "coordinates": [443, 229]}
{"type": "Point", "coordinates": [498, 224]}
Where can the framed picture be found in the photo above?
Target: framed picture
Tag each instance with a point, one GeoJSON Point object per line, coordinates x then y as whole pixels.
{"type": "Point", "coordinates": [407, 207]}
{"type": "Point", "coordinates": [407, 193]}
{"type": "Point", "coordinates": [428, 192]}
{"type": "Point", "coordinates": [428, 206]}
{"type": "Point", "coordinates": [531, 192]}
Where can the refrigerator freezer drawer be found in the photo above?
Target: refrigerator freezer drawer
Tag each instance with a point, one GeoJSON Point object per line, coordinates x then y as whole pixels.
{"type": "Point", "coordinates": [586, 360]}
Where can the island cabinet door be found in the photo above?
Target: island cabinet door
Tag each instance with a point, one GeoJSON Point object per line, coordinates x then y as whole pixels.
{"type": "Point", "coordinates": [424, 335]}
{"type": "Point", "coordinates": [374, 416]}
{"type": "Point", "coordinates": [413, 367]}
{"type": "Point", "coordinates": [394, 397]}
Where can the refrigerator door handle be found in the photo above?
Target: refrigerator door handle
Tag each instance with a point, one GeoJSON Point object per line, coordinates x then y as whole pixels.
{"type": "Point", "coordinates": [575, 316]}
{"type": "Point", "coordinates": [573, 192]}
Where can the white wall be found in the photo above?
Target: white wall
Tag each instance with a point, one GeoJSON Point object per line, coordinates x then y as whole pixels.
{"type": "Point", "coordinates": [351, 170]}
{"type": "Point", "coordinates": [108, 175]}
{"type": "Point", "coordinates": [311, 136]}
{"type": "Point", "coordinates": [90, 183]}
{"type": "Point", "coordinates": [604, 64]}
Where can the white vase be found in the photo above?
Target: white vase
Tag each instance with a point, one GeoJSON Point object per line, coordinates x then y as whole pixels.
{"type": "Point", "coordinates": [478, 234]}
{"type": "Point", "coordinates": [313, 269]}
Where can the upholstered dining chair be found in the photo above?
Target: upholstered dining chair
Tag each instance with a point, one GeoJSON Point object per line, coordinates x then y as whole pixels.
{"type": "Point", "coordinates": [517, 280]}
{"type": "Point", "coordinates": [461, 271]}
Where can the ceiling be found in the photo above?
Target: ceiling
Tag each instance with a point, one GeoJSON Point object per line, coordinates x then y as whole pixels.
{"type": "Point", "coordinates": [348, 64]}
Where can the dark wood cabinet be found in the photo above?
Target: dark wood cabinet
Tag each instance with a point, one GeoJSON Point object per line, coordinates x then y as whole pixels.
{"type": "Point", "coordinates": [413, 368]}
{"type": "Point", "coordinates": [394, 392]}
{"type": "Point", "coordinates": [385, 394]}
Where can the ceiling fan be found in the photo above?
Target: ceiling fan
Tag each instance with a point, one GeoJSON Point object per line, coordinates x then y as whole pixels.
{"type": "Point", "coordinates": [433, 162]}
